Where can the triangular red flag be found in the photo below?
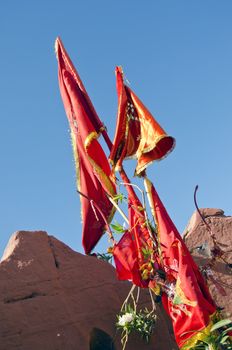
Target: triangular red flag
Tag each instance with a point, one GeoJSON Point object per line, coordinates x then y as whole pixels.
{"type": "Point", "coordinates": [92, 166]}
{"type": "Point", "coordinates": [187, 299]}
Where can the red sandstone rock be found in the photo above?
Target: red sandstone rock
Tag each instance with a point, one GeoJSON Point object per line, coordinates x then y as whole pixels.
{"type": "Point", "coordinates": [196, 218]}
{"type": "Point", "coordinates": [196, 235]}
{"type": "Point", "coordinates": [51, 298]}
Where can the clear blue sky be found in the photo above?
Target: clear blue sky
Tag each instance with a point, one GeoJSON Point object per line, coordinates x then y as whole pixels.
{"type": "Point", "coordinates": [177, 56]}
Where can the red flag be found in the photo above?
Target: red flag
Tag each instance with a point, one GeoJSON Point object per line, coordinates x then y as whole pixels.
{"type": "Point", "coordinates": [131, 253]}
{"type": "Point", "coordinates": [92, 166]}
{"type": "Point", "coordinates": [138, 134]}
{"type": "Point", "coordinates": [186, 296]}
{"type": "Point", "coordinates": [126, 259]}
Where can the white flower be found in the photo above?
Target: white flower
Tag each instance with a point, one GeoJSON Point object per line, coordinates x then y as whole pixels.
{"type": "Point", "coordinates": [171, 290]}
{"type": "Point", "coordinates": [126, 318]}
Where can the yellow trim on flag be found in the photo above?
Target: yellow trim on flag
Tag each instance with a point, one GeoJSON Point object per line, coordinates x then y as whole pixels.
{"type": "Point", "coordinates": [201, 335]}
{"type": "Point", "coordinates": [105, 178]}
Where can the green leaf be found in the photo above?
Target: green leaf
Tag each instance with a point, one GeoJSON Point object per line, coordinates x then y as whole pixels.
{"type": "Point", "coordinates": [220, 324]}
{"type": "Point", "coordinates": [146, 252]}
{"type": "Point", "coordinates": [177, 300]}
{"type": "Point", "coordinates": [224, 339]}
{"type": "Point", "coordinates": [228, 329]}
{"type": "Point", "coordinates": [119, 197]}
{"type": "Point", "coordinates": [105, 257]}
{"type": "Point", "coordinates": [201, 347]}
{"type": "Point", "coordinates": [117, 228]}
{"type": "Point", "coordinates": [152, 228]}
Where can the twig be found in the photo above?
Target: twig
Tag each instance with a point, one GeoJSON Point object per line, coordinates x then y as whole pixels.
{"type": "Point", "coordinates": [95, 205]}
{"type": "Point", "coordinates": [119, 209]}
{"type": "Point", "coordinates": [134, 302]}
{"type": "Point", "coordinates": [138, 188]}
{"type": "Point", "coordinates": [153, 238]}
{"type": "Point", "coordinates": [94, 210]}
{"type": "Point", "coordinates": [152, 302]}
{"type": "Point", "coordinates": [128, 296]}
{"type": "Point", "coordinates": [138, 294]}
{"type": "Point", "coordinates": [199, 212]}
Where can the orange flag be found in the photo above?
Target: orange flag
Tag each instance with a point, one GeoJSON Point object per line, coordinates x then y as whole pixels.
{"type": "Point", "coordinates": [138, 134]}
{"type": "Point", "coordinates": [186, 296]}
{"type": "Point", "coordinates": [92, 166]}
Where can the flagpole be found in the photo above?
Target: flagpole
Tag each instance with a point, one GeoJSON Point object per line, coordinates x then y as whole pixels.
{"type": "Point", "coordinates": [126, 180]}
{"type": "Point", "coordinates": [118, 209]}
{"type": "Point", "coordinates": [147, 183]}
{"type": "Point", "coordinates": [127, 184]}
{"type": "Point", "coordinates": [122, 172]}
{"type": "Point", "coordinates": [107, 139]}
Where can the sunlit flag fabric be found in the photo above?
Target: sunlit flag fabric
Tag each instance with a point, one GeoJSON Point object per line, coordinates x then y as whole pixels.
{"type": "Point", "coordinates": [129, 251]}
{"type": "Point", "coordinates": [138, 135]}
{"type": "Point", "coordinates": [187, 299]}
{"type": "Point", "coordinates": [92, 166]}
{"type": "Point", "coordinates": [126, 260]}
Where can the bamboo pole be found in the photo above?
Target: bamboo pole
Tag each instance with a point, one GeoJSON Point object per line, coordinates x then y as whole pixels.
{"type": "Point", "coordinates": [119, 209]}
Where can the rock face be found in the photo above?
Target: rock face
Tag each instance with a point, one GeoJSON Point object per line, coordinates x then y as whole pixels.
{"type": "Point", "coordinates": [52, 298]}
{"type": "Point", "coordinates": [200, 243]}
